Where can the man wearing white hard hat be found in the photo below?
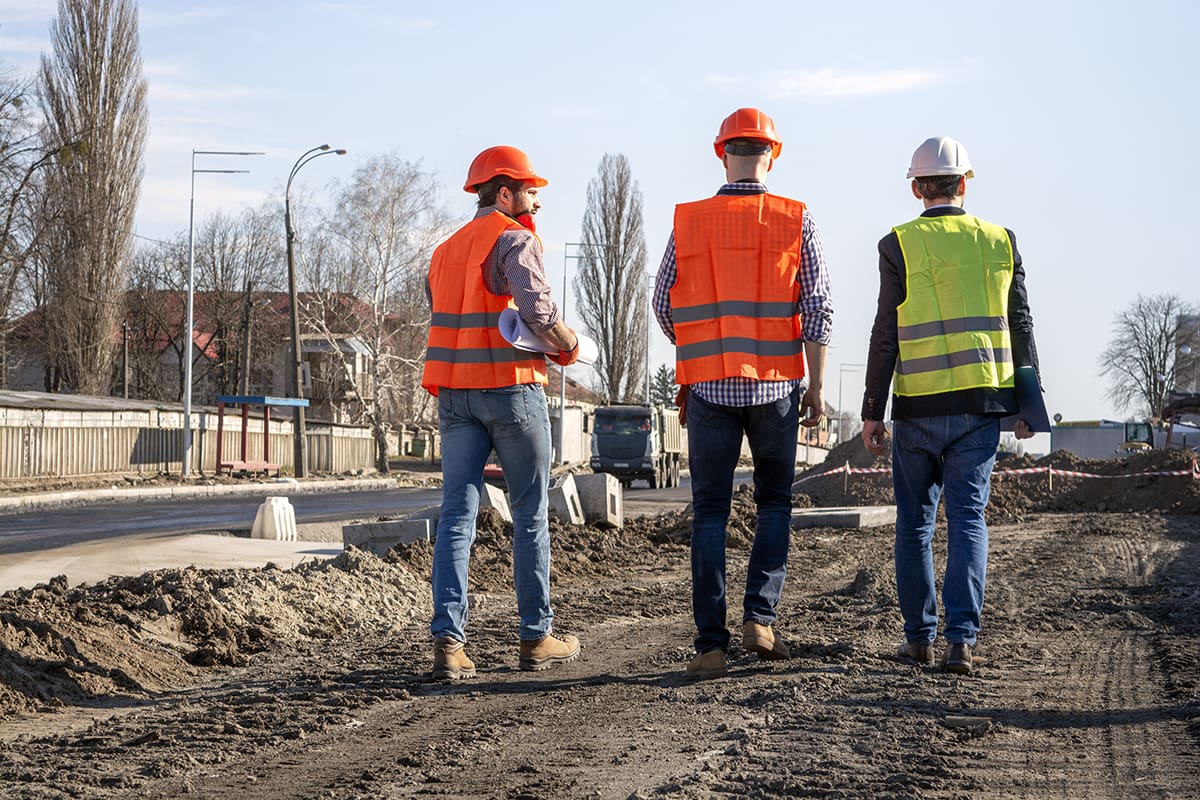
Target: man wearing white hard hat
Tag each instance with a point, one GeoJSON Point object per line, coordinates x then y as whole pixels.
{"type": "Point", "coordinates": [951, 326]}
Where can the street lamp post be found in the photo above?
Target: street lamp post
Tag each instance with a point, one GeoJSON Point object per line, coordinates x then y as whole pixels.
{"type": "Point", "coordinates": [299, 438]}
{"type": "Point", "coordinates": [189, 324]}
{"type": "Point", "coordinates": [842, 369]}
{"type": "Point", "coordinates": [562, 389]}
{"type": "Point", "coordinates": [650, 278]}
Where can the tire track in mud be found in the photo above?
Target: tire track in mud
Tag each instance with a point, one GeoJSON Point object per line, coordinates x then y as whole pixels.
{"type": "Point", "coordinates": [1084, 712]}
{"type": "Point", "coordinates": [1070, 701]}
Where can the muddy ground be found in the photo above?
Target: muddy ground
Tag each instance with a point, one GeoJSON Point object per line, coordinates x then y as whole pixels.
{"type": "Point", "coordinates": [312, 682]}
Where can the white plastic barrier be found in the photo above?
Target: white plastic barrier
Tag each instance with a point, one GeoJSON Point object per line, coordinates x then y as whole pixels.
{"type": "Point", "coordinates": [276, 519]}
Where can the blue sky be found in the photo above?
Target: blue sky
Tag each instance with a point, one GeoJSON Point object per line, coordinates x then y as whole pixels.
{"type": "Point", "coordinates": [1079, 117]}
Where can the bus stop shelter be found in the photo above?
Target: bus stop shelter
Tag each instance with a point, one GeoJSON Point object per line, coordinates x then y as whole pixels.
{"type": "Point", "coordinates": [245, 464]}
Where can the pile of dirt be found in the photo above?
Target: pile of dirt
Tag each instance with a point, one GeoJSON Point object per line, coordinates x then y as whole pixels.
{"type": "Point", "coordinates": [135, 636]}
{"type": "Point", "coordinates": [579, 549]}
{"type": "Point", "coordinates": [1125, 486]}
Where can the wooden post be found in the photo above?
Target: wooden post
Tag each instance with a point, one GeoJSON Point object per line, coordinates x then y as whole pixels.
{"type": "Point", "coordinates": [846, 479]}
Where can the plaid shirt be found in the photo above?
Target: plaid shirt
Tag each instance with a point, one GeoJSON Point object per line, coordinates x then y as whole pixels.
{"type": "Point", "coordinates": [816, 311]}
{"type": "Point", "coordinates": [515, 267]}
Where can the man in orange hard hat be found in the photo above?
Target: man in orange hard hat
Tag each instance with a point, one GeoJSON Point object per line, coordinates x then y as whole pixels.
{"type": "Point", "coordinates": [743, 292]}
{"type": "Point", "coordinates": [491, 397]}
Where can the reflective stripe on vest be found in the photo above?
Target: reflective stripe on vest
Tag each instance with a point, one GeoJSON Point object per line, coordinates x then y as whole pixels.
{"type": "Point", "coordinates": [953, 324]}
{"type": "Point", "coordinates": [734, 302]}
{"type": "Point", "coordinates": [465, 349]}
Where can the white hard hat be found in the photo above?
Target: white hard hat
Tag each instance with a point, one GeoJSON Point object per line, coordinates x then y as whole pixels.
{"type": "Point", "coordinates": [940, 155]}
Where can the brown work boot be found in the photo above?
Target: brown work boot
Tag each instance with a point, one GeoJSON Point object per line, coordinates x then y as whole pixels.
{"type": "Point", "coordinates": [958, 659]}
{"type": "Point", "coordinates": [921, 652]}
{"type": "Point", "coordinates": [551, 649]}
{"type": "Point", "coordinates": [450, 660]}
{"type": "Point", "coordinates": [708, 665]}
{"type": "Point", "coordinates": [762, 640]}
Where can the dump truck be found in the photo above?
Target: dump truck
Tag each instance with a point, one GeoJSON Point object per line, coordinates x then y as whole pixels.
{"type": "Point", "coordinates": [635, 442]}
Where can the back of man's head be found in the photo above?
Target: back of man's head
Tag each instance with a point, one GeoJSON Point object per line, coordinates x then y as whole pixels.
{"type": "Point", "coordinates": [933, 187]}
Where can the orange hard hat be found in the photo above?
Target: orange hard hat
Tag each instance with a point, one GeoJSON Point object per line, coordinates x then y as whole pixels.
{"type": "Point", "coordinates": [748, 123]}
{"type": "Point", "coordinates": [501, 160]}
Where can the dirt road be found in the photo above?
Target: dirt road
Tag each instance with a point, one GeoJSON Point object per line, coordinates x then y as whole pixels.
{"type": "Point", "coordinates": [311, 682]}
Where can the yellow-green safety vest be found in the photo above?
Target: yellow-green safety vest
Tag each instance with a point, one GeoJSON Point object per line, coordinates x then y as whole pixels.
{"type": "Point", "coordinates": [953, 324]}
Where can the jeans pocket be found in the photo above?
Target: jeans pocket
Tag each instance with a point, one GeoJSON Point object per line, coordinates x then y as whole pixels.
{"type": "Point", "coordinates": [782, 415]}
{"type": "Point", "coordinates": [507, 405]}
{"type": "Point", "coordinates": [984, 432]}
{"type": "Point", "coordinates": [909, 435]}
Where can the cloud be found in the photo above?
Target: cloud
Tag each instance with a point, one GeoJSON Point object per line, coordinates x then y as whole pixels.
{"type": "Point", "coordinates": [830, 83]}
{"type": "Point", "coordinates": [365, 16]}
{"type": "Point", "coordinates": [13, 11]}
{"type": "Point", "coordinates": [10, 45]}
{"type": "Point", "coordinates": [180, 17]}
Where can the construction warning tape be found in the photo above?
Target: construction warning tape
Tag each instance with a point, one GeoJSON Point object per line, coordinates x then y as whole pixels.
{"type": "Point", "coordinates": [1071, 474]}
{"type": "Point", "coordinates": [1193, 473]}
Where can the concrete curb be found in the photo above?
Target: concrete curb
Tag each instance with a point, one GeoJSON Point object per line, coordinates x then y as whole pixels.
{"type": "Point", "coordinates": [29, 502]}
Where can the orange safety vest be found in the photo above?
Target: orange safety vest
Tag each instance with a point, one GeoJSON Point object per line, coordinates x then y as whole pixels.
{"type": "Point", "coordinates": [465, 349]}
{"type": "Point", "coordinates": [734, 300]}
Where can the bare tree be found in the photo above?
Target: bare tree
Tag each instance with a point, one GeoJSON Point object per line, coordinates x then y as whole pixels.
{"type": "Point", "coordinates": [23, 214]}
{"type": "Point", "coordinates": [235, 257]}
{"type": "Point", "coordinates": [153, 321]}
{"type": "Point", "coordinates": [91, 89]}
{"type": "Point", "coordinates": [385, 224]}
{"type": "Point", "coordinates": [1147, 348]}
{"type": "Point", "coordinates": [611, 288]}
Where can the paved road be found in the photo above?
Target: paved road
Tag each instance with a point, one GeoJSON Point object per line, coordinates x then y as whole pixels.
{"type": "Point", "coordinates": [90, 543]}
{"type": "Point", "coordinates": [58, 527]}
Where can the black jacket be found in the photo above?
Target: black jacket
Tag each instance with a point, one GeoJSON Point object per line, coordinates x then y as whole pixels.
{"type": "Point", "coordinates": [885, 348]}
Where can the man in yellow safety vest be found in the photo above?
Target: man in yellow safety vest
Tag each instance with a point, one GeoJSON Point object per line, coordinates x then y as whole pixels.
{"type": "Point", "coordinates": [951, 326]}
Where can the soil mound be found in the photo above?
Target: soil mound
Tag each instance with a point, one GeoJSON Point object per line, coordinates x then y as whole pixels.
{"type": "Point", "coordinates": [579, 549]}
{"type": "Point", "coordinates": [1126, 484]}
{"type": "Point", "coordinates": [139, 635]}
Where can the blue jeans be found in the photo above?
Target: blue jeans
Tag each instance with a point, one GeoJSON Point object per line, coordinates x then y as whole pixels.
{"type": "Point", "coordinates": [932, 456]}
{"type": "Point", "coordinates": [714, 444]}
{"type": "Point", "coordinates": [515, 422]}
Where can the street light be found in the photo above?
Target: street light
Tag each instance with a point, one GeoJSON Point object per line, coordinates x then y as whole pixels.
{"type": "Point", "coordinates": [842, 369]}
{"type": "Point", "coordinates": [299, 443]}
{"type": "Point", "coordinates": [189, 325]}
{"type": "Point", "coordinates": [650, 280]}
{"type": "Point", "coordinates": [562, 393]}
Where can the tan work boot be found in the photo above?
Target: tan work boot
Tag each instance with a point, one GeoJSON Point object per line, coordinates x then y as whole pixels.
{"type": "Point", "coordinates": [708, 665]}
{"type": "Point", "coordinates": [762, 640]}
{"type": "Point", "coordinates": [551, 649]}
{"type": "Point", "coordinates": [450, 660]}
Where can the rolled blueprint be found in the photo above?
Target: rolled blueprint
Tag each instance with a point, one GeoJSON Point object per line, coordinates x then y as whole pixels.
{"type": "Point", "coordinates": [517, 333]}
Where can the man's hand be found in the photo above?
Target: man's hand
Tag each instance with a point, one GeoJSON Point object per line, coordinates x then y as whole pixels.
{"type": "Point", "coordinates": [566, 358]}
{"type": "Point", "coordinates": [812, 407]}
{"type": "Point", "coordinates": [874, 436]}
{"type": "Point", "coordinates": [681, 402]}
{"type": "Point", "coordinates": [1021, 430]}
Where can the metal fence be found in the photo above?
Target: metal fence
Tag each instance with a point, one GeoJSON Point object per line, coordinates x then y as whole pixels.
{"type": "Point", "coordinates": [42, 442]}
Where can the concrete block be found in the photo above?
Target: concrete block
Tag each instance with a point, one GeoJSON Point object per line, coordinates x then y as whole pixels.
{"type": "Point", "coordinates": [564, 501]}
{"type": "Point", "coordinates": [275, 519]}
{"type": "Point", "coordinates": [844, 517]}
{"type": "Point", "coordinates": [494, 497]}
{"type": "Point", "coordinates": [380, 537]}
{"type": "Point", "coordinates": [602, 499]}
{"type": "Point", "coordinates": [432, 513]}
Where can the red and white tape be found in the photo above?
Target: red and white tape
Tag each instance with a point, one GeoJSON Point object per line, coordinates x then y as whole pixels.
{"type": "Point", "coordinates": [1193, 473]}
